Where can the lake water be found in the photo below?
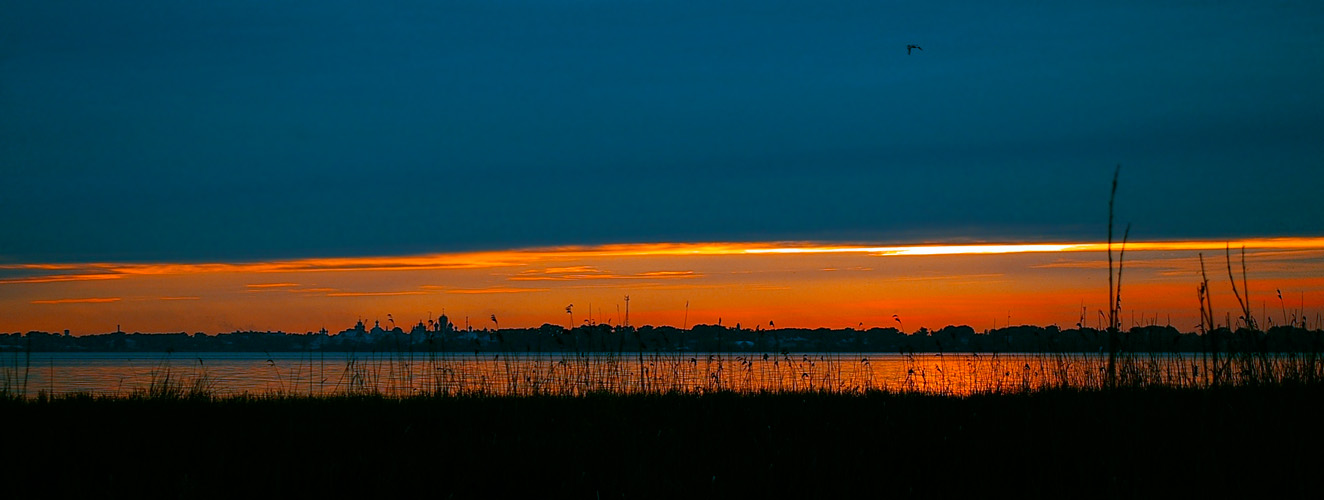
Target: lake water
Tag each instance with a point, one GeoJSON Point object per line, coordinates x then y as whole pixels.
{"type": "Point", "coordinates": [497, 373]}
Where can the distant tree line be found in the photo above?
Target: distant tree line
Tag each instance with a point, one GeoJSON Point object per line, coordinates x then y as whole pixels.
{"type": "Point", "coordinates": [443, 338]}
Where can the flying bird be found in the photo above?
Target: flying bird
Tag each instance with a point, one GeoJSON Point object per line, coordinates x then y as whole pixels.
{"type": "Point", "coordinates": [912, 46]}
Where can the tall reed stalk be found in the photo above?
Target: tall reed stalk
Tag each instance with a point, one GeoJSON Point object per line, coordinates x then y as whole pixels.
{"type": "Point", "coordinates": [1114, 289]}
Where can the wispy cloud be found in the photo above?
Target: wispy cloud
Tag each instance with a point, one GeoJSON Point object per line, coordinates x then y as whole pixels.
{"type": "Point", "coordinates": [1216, 261]}
{"type": "Point", "coordinates": [59, 278]}
{"type": "Point", "coordinates": [91, 300]}
{"type": "Point", "coordinates": [568, 277]}
{"type": "Point", "coordinates": [950, 277]}
{"type": "Point", "coordinates": [47, 267]}
{"type": "Point", "coordinates": [579, 273]}
{"type": "Point", "coordinates": [104, 270]}
{"type": "Point", "coordinates": [565, 270]}
{"type": "Point", "coordinates": [668, 274]}
{"type": "Point", "coordinates": [525, 257]}
{"type": "Point", "coordinates": [495, 290]}
{"type": "Point", "coordinates": [1010, 248]}
{"type": "Point", "coordinates": [706, 286]}
{"type": "Point", "coordinates": [981, 282]}
{"type": "Point", "coordinates": [374, 294]}
{"type": "Point", "coordinates": [271, 285]}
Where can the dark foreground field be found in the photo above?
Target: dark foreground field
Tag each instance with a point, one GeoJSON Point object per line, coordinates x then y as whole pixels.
{"type": "Point", "coordinates": [1123, 443]}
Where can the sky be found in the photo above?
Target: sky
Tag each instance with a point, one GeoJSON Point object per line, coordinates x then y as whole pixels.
{"type": "Point", "coordinates": [733, 284]}
{"type": "Point", "coordinates": [241, 132]}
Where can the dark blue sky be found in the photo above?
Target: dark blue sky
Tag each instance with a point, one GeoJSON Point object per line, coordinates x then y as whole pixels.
{"type": "Point", "coordinates": [163, 130]}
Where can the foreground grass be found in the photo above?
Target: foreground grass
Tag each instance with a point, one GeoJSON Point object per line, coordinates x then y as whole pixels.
{"type": "Point", "coordinates": [1119, 443]}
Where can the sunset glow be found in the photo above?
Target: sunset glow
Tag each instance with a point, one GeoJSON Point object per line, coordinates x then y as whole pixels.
{"type": "Point", "coordinates": [791, 284]}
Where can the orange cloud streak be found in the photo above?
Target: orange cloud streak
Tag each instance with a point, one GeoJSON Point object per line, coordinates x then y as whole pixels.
{"type": "Point", "coordinates": [510, 258]}
{"type": "Point", "coordinates": [59, 278]}
{"type": "Point", "coordinates": [372, 294]}
{"type": "Point", "coordinates": [93, 300]}
{"type": "Point", "coordinates": [496, 290]}
{"type": "Point", "coordinates": [752, 283]}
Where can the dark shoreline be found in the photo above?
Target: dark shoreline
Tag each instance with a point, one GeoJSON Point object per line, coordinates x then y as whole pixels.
{"type": "Point", "coordinates": [1112, 443]}
{"type": "Point", "coordinates": [699, 338]}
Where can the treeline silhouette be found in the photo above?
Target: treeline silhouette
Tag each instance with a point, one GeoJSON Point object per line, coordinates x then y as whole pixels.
{"type": "Point", "coordinates": [701, 338]}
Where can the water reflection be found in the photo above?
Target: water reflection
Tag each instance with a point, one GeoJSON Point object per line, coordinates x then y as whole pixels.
{"type": "Point", "coordinates": [404, 374]}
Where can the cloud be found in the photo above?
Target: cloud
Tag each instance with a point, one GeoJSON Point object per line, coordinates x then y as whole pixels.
{"type": "Point", "coordinates": [950, 277]}
{"type": "Point", "coordinates": [495, 290]}
{"type": "Point", "coordinates": [91, 300]}
{"type": "Point", "coordinates": [58, 278]}
{"type": "Point", "coordinates": [524, 257]}
{"type": "Point", "coordinates": [48, 267]}
{"type": "Point", "coordinates": [669, 274]}
{"type": "Point", "coordinates": [1187, 263]}
{"type": "Point", "coordinates": [578, 273]}
{"type": "Point", "coordinates": [373, 294]}
{"type": "Point", "coordinates": [104, 270]}
{"type": "Point", "coordinates": [178, 298]}
{"type": "Point", "coordinates": [708, 286]}
{"type": "Point", "coordinates": [565, 270]}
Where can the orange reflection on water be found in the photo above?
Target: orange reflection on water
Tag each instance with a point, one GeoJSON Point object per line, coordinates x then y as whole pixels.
{"type": "Point", "coordinates": [418, 373]}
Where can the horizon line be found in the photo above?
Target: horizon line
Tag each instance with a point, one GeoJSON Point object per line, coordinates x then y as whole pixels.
{"type": "Point", "coordinates": [614, 326]}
